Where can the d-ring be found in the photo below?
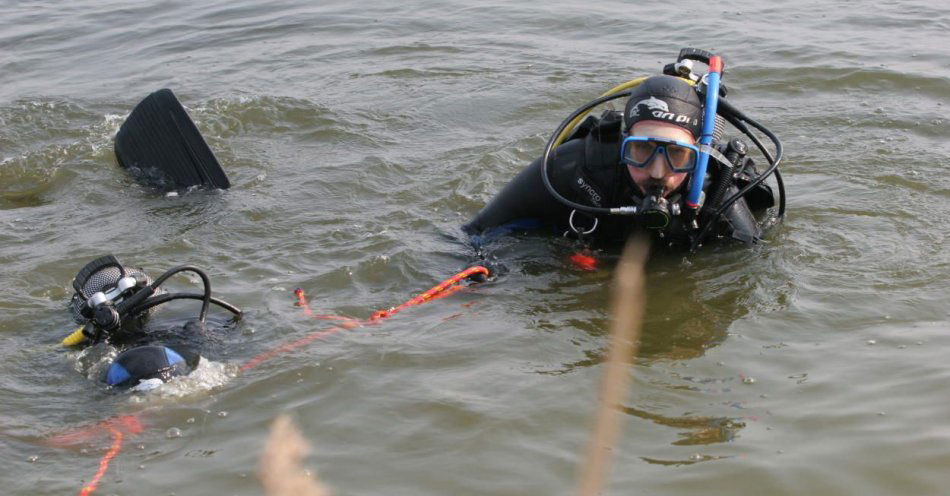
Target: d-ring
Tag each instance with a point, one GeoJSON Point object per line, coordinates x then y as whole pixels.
{"type": "Point", "coordinates": [570, 222]}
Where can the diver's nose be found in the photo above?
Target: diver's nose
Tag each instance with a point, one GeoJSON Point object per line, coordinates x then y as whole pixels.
{"type": "Point", "coordinates": [657, 168]}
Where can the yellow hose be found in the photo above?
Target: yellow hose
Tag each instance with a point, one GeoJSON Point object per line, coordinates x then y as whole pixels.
{"type": "Point", "coordinates": [633, 83]}
{"type": "Point", "coordinates": [75, 338]}
{"type": "Point", "coordinates": [577, 120]}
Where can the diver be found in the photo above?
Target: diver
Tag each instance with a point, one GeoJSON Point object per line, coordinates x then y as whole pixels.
{"type": "Point", "coordinates": [113, 304]}
{"type": "Point", "coordinates": [661, 166]}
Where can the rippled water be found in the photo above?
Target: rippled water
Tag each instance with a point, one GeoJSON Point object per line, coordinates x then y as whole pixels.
{"type": "Point", "coordinates": [359, 138]}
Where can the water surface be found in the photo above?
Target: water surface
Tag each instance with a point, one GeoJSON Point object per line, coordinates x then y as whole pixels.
{"type": "Point", "coordinates": [357, 141]}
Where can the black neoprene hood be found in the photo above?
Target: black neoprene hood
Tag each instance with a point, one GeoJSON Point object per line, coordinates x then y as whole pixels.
{"type": "Point", "coordinates": [665, 99]}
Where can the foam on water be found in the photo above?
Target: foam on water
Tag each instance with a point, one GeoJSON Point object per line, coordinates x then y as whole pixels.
{"type": "Point", "coordinates": [206, 377]}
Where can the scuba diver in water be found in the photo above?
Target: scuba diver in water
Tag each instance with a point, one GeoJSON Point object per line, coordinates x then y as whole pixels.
{"type": "Point", "coordinates": [661, 166]}
{"type": "Point", "coordinates": [113, 303]}
{"type": "Point", "coordinates": [162, 149]}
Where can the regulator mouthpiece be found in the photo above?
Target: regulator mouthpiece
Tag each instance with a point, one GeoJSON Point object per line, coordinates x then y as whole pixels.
{"type": "Point", "coordinates": [654, 211]}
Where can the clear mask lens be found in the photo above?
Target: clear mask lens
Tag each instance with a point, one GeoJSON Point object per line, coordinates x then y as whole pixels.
{"type": "Point", "coordinates": [640, 151]}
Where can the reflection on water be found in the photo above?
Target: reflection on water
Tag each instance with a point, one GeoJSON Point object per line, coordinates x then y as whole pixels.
{"type": "Point", "coordinates": [696, 458]}
{"type": "Point", "coordinates": [691, 301]}
{"type": "Point", "coordinates": [700, 429]}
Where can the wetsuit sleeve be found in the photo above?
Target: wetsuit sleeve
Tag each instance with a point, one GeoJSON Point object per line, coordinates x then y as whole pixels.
{"type": "Point", "coordinates": [525, 202]}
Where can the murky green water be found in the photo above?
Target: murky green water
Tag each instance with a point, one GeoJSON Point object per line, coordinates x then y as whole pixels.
{"type": "Point", "coordinates": [358, 138]}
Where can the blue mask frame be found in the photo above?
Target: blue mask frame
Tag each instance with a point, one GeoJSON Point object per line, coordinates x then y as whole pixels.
{"type": "Point", "coordinates": [662, 147]}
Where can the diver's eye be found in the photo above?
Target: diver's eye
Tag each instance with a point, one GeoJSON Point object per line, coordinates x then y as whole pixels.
{"type": "Point", "coordinates": [640, 151]}
{"type": "Point", "coordinates": [680, 156]}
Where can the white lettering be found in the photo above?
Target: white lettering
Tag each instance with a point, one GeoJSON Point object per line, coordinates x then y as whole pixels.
{"type": "Point", "coordinates": [594, 197]}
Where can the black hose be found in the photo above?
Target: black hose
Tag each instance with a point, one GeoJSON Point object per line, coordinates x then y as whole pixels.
{"type": "Point", "coordinates": [206, 298]}
{"type": "Point", "coordinates": [165, 298]}
{"type": "Point", "coordinates": [781, 188]}
{"type": "Point", "coordinates": [778, 175]}
{"type": "Point", "coordinates": [762, 177]}
{"type": "Point", "coordinates": [550, 147]}
{"type": "Point", "coordinates": [738, 119]}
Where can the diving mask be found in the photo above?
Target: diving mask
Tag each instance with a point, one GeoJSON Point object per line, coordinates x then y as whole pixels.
{"type": "Point", "coordinates": [639, 152]}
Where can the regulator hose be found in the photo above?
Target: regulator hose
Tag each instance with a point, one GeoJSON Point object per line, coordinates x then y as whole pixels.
{"type": "Point", "coordinates": [629, 85]}
{"type": "Point", "coordinates": [739, 120]}
{"type": "Point", "coordinates": [206, 297]}
{"type": "Point", "coordinates": [556, 139]}
{"type": "Point", "coordinates": [165, 298]}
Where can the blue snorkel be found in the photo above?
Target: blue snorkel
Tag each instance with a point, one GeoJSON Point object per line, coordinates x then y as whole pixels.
{"type": "Point", "coordinates": [693, 200]}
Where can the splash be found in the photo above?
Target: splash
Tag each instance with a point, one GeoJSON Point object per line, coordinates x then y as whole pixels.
{"type": "Point", "coordinates": [207, 376]}
{"type": "Point", "coordinates": [94, 361]}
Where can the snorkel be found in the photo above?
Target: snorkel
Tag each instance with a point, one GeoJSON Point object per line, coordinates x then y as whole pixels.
{"type": "Point", "coordinates": [695, 198]}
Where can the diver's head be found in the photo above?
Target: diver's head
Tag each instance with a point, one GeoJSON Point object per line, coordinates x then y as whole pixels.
{"type": "Point", "coordinates": [654, 164]}
{"type": "Point", "coordinates": [662, 121]}
{"type": "Point", "coordinates": [149, 362]}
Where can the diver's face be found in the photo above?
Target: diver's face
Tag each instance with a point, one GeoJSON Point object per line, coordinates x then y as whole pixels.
{"type": "Point", "coordinates": [657, 173]}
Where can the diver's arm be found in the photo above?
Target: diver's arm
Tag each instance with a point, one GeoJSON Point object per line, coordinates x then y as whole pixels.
{"type": "Point", "coordinates": [525, 203]}
{"type": "Point", "coordinates": [522, 204]}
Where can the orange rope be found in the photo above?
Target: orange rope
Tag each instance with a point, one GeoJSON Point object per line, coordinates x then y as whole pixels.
{"type": "Point", "coordinates": [302, 302]}
{"type": "Point", "coordinates": [117, 438]}
{"type": "Point", "coordinates": [284, 348]}
{"type": "Point", "coordinates": [436, 292]}
{"type": "Point", "coordinates": [118, 427]}
{"type": "Point", "coordinates": [445, 288]}
{"type": "Point", "coordinates": [128, 424]}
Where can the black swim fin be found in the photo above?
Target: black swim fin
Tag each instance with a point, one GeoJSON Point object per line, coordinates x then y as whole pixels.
{"type": "Point", "coordinates": [161, 147]}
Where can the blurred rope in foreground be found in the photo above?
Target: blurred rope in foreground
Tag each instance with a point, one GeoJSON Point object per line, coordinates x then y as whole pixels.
{"type": "Point", "coordinates": [281, 471]}
{"type": "Point", "coordinates": [629, 300]}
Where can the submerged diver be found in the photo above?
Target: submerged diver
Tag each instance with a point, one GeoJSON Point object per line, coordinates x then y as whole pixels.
{"type": "Point", "coordinates": [113, 303]}
{"type": "Point", "coordinates": [646, 168]}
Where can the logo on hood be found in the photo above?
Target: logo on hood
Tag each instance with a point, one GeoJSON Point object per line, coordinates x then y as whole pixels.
{"type": "Point", "coordinates": [652, 103]}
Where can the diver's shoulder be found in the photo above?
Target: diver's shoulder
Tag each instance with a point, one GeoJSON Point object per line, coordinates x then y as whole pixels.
{"type": "Point", "coordinates": [605, 128]}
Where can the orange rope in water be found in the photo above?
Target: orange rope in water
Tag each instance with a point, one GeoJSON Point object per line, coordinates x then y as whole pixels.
{"type": "Point", "coordinates": [441, 290]}
{"type": "Point", "coordinates": [117, 438]}
{"type": "Point", "coordinates": [445, 288]}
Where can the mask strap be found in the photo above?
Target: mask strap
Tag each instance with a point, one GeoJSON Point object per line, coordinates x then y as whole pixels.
{"type": "Point", "coordinates": [714, 153]}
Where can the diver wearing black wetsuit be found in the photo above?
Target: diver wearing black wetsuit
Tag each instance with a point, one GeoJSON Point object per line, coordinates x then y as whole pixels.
{"type": "Point", "coordinates": [113, 303]}
{"type": "Point", "coordinates": [588, 169]}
